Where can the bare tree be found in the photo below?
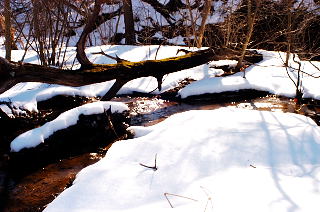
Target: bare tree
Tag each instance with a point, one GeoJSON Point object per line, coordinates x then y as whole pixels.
{"type": "Point", "coordinates": [251, 15]}
{"type": "Point", "coordinates": [7, 15]}
{"type": "Point", "coordinates": [289, 4]}
{"type": "Point", "coordinates": [205, 14]}
{"type": "Point", "coordinates": [129, 22]}
{"type": "Point", "coordinates": [38, 30]}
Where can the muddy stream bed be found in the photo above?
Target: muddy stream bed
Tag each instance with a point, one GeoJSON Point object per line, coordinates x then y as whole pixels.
{"type": "Point", "coordinates": [33, 191]}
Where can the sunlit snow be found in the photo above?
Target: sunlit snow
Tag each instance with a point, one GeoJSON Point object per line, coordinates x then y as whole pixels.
{"type": "Point", "coordinates": [36, 136]}
{"type": "Point", "coordinates": [225, 159]}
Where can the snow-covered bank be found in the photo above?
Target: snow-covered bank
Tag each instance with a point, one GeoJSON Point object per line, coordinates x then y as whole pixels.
{"type": "Point", "coordinates": [225, 159]}
{"type": "Point", "coordinates": [268, 75]}
{"type": "Point", "coordinates": [26, 95]}
{"type": "Point", "coordinates": [37, 136]}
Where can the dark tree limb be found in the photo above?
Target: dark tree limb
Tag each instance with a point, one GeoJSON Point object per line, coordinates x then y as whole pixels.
{"type": "Point", "coordinates": [90, 26]}
{"type": "Point", "coordinates": [113, 90]}
{"type": "Point", "coordinates": [160, 8]}
{"type": "Point", "coordinates": [12, 73]}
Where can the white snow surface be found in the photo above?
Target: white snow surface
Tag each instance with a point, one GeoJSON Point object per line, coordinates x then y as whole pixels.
{"type": "Point", "coordinates": [34, 137]}
{"type": "Point", "coordinates": [218, 160]}
{"type": "Point", "coordinates": [268, 75]}
{"type": "Point", "coordinates": [26, 95]}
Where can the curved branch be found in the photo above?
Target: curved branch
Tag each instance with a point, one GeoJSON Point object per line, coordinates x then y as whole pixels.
{"type": "Point", "coordinates": [90, 26]}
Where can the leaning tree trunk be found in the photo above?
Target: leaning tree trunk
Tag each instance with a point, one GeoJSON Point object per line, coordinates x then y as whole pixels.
{"type": "Point", "coordinates": [251, 19]}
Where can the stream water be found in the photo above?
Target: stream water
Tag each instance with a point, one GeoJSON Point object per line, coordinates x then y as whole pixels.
{"type": "Point", "coordinates": [35, 191]}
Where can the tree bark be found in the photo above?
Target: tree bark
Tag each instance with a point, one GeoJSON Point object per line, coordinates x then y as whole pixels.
{"type": "Point", "coordinates": [8, 40]}
{"type": "Point", "coordinates": [205, 13]}
{"type": "Point", "coordinates": [251, 19]}
{"type": "Point", "coordinates": [37, 31]}
{"type": "Point", "coordinates": [128, 22]}
{"type": "Point", "coordinates": [13, 73]}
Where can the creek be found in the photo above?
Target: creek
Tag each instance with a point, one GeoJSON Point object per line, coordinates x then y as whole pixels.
{"type": "Point", "coordinates": [35, 190]}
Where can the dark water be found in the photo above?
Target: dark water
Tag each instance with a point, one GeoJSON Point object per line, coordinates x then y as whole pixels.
{"type": "Point", "coordinates": [38, 189]}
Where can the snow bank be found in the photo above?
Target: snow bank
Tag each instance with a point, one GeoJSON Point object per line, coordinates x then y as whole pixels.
{"type": "Point", "coordinates": [37, 136]}
{"type": "Point", "coordinates": [269, 75]}
{"type": "Point", "coordinates": [225, 159]}
{"type": "Point", "coordinates": [26, 95]}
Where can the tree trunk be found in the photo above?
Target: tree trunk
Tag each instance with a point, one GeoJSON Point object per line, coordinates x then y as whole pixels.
{"type": "Point", "coordinates": [205, 13]}
{"type": "Point", "coordinates": [289, 33]}
{"type": "Point", "coordinates": [8, 40]}
{"type": "Point", "coordinates": [37, 31]}
{"type": "Point", "coordinates": [124, 71]}
{"type": "Point", "coordinates": [128, 22]}
{"type": "Point", "coordinates": [251, 20]}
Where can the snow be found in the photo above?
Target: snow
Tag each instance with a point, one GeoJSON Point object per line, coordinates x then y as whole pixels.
{"type": "Point", "coordinates": [24, 96]}
{"type": "Point", "coordinates": [226, 159]}
{"type": "Point", "coordinates": [268, 75]}
{"type": "Point", "coordinates": [36, 136]}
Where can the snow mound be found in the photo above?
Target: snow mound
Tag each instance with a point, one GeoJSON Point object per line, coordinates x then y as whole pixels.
{"type": "Point", "coordinates": [219, 160]}
{"type": "Point", "coordinates": [36, 136]}
{"type": "Point", "coordinates": [268, 75]}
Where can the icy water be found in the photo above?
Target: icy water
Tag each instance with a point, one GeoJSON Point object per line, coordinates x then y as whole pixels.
{"type": "Point", "coordinates": [35, 191]}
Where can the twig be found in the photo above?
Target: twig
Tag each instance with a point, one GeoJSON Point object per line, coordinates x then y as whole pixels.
{"type": "Point", "coordinates": [154, 168]}
{"type": "Point", "coordinates": [108, 114]}
{"type": "Point", "coordinates": [209, 199]}
{"type": "Point", "coordinates": [116, 58]}
{"type": "Point", "coordinates": [183, 50]}
{"type": "Point", "coordinates": [166, 195]}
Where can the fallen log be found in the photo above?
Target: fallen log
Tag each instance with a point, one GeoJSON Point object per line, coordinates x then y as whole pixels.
{"type": "Point", "coordinates": [13, 73]}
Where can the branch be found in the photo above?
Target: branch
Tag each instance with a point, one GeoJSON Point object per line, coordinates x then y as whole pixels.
{"type": "Point", "coordinates": [90, 26]}
{"type": "Point", "coordinates": [116, 58]}
{"type": "Point", "coordinates": [155, 168]}
{"type": "Point", "coordinates": [122, 72]}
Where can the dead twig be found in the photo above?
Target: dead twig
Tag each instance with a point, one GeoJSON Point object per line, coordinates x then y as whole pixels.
{"type": "Point", "coordinates": [208, 200]}
{"type": "Point", "coordinates": [116, 58]}
{"type": "Point", "coordinates": [176, 195]}
{"type": "Point", "coordinates": [154, 168]}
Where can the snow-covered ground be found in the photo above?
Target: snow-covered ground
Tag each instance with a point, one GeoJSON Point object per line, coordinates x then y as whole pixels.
{"type": "Point", "coordinates": [219, 160]}
{"type": "Point", "coordinates": [268, 75]}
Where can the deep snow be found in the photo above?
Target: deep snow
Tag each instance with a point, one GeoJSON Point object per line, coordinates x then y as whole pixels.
{"type": "Point", "coordinates": [226, 159]}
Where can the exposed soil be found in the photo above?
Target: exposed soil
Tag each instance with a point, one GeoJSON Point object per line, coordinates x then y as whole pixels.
{"type": "Point", "coordinates": [36, 190]}
{"type": "Point", "coordinates": [33, 187]}
{"type": "Point", "coordinates": [33, 177]}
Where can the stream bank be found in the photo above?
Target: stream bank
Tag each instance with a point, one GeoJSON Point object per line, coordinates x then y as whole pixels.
{"type": "Point", "coordinates": [34, 189]}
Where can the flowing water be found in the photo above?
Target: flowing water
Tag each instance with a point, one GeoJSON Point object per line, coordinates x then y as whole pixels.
{"type": "Point", "coordinates": [34, 191]}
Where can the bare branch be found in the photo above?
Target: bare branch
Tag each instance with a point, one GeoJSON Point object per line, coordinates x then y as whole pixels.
{"type": "Point", "coordinates": [155, 168]}
{"type": "Point", "coordinates": [81, 55]}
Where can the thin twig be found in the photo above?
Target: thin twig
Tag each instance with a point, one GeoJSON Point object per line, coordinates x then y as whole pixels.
{"type": "Point", "coordinates": [209, 199]}
{"type": "Point", "coordinates": [154, 168]}
{"type": "Point", "coordinates": [166, 195]}
{"type": "Point", "coordinates": [116, 58]}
